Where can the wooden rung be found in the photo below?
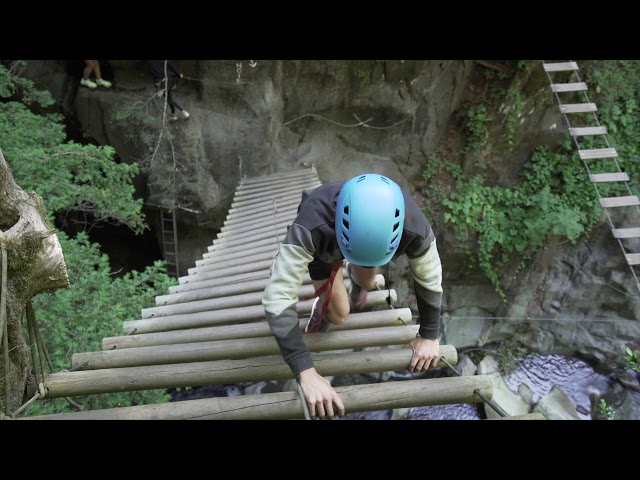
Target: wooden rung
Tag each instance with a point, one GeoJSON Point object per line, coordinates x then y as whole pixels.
{"type": "Point", "coordinates": [609, 177]}
{"type": "Point", "coordinates": [560, 67]}
{"type": "Point", "coordinates": [569, 87]}
{"type": "Point", "coordinates": [598, 153]}
{"type": "Point", "coordinates": [582, 131]}
{"type": "Point", "coordinates": [626, 232]}
{"type": "Point", "coordinates": [629, 201]}
{"type": "Point", "coordinates": [633, 258]}
{"type": "Point", "coordinates": [578, 108]}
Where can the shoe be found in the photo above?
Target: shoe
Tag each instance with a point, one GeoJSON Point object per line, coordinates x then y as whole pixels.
{"type": "Point", "coordinates": [357, 294]}
{"type": "Point", "coordinates": [103, 83]}
{"type": "Point", "coordinates": [88, 83]}
{"type": "Point", "coordinates": [173, 117]}
{"type": "Point", "coordinates": [315, 324]}
{"type": "Point", "coordinates": [185, 114]}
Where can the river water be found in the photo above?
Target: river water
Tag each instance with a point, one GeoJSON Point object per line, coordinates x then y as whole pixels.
{"type": "Point", "coordinates": [539, 372]}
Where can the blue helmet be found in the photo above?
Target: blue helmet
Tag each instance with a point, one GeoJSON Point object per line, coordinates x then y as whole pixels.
{"type": "Point", "coordinates": [369, 219]}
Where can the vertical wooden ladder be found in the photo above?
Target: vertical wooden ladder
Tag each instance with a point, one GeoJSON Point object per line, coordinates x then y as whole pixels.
{"type": "Point", "coordinates": [601, 163]}
{"type": "Point", "coordinates": [170, 241]}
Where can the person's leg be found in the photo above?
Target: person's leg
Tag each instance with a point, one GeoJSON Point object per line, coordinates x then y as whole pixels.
{"type": "Point", "coordinates": [174, 106]}
{"type": "Point", "coordinates": [338, 308]}
{"type": "Point", "coordinates": [362, 280]}
{"type": "Point", "coordinates": [172, 103]}
{"type": "Point", "coordinates": [86, 73]}
{"type": "Point", "coordinates": [99, 80]}
{"type": "Point", "coordinates": [89, 68]}
{"type": "Point", "coordinates": [365, 277]}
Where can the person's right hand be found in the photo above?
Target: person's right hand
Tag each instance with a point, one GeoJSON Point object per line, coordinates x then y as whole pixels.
{"type": "Point", "coordinates": [320, 395]}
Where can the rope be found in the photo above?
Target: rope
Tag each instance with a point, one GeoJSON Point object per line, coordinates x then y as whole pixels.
{"type": "Point", "coordinates": [43, 350]}
{"type": "Point", "coordinates": [477, 391]}
{"type": "Point", "coordinates": [303, 401]}
{"type": "Point", "coordinates": [360, 123]}
{"type": "Point", "coordinates": [5, 351]}
{"type": "Point", "coordinates": [3, 323]}
{"type": "Point", "coordinates": [31, 319]}
{"type": "Point", "coordinates": [3, 293]}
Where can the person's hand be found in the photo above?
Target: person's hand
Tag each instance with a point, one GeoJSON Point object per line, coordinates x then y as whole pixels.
{"type": "Point", "coordinates": [320, 395]}
{"type": "Point", "coordinates": [426, 354]}
{"type": "Point", "coordinates": [181, 76]}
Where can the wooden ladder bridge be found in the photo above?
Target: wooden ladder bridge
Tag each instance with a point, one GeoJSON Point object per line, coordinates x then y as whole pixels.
{"type": "Point", "coordinates": [211, 329]}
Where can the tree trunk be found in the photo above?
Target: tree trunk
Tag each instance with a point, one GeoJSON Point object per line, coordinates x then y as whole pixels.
{"type": "Point", "coordinates": [35, 264]}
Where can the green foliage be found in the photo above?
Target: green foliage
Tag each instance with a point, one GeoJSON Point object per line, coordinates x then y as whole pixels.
{"type": "Point", "coordinates": [633, 360]}
{"type": "Point", "coordinates": [12, 85]}
{"type": "Point", "coordinates": [173, 181]}
{"type": "Point", "coordinates": [76, 319]}
{"type": "Point", "coordinates": [431, 168]}
{"type": "Point", "coordinates": [605, 412]}
{"type": "Point", "coordinates": [477, 119]}
{"type": "Point", "coordinates": [68, 176]}
{"type": "Point", "coordinates": [509, 354]}
{"type": "Point", "coordinates": [364, 76]}
{"type": "Point", "coordinates": [617, 84]}
{"type": "Point", "coordinates": [554, 198]}
{"type": "Point", "coordinates": [524, 64]}
{"type": "Point", "coordinates": [85, 178]}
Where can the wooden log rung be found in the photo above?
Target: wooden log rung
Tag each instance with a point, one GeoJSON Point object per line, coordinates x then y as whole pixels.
{"type": "Point", "coordinates": [583, 131]}
{"type": "Point", "coordinates": [560, 67]}
{"type": "Point", "coordinates": [626, 232]}
{"type": "Point", "coordinates": [633, 258]}
{"type": "Point", "coordinates": [612, 202]}
{"type": "Point", "coordinates": [578, 108]}
{"type": "Point", "coordinates": [569, 87]}
{"type": "Point", "coordinates": [598, 153]}
{"type": "Point", "coordinates": [129, 379]}
{"type": "Point", "coordinates": [609, 177]}
{"type": "Point", "coordinates": [286, 405]}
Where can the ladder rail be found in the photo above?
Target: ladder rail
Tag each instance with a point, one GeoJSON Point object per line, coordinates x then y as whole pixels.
{"type": "Point", "coordinates": [584, 155]}
{"type": "Point", "coordinates": [170, 245]}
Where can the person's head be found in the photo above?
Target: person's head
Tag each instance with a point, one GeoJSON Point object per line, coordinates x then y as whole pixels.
{"type": "Point", "coordinates": [369, 219]}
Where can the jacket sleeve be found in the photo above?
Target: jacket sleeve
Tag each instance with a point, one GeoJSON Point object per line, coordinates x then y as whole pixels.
{"type": "Point", "coordinates": [426, 270]}
{"type": "Point", "coordinates": [281, 295]}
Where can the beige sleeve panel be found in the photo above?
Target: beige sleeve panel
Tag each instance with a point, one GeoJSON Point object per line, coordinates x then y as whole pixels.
{"type": "Point", "coordinates": [291, 264]}
{"type": "Point", "coordinates": [427, 269]}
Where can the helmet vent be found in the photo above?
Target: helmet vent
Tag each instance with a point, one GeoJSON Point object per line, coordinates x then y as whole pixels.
{"type": "Point", "coordinates": [397, 213]}
{"type": "Point", "coordinates": [385, 180]}
{"type": "Point", "coordinates": [346, 210]}
{"type": "Point", "coordinates": [395, 227]}
{"type": "Point", "coordinates": [361, 178]}
{"type": "Point", "coordinates": [394, 243]}
{"type": "Point", "coordinates": [345, 223]}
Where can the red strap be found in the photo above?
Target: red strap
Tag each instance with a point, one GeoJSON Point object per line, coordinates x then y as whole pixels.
{"type": "Point", "coordinates": [328, 283]}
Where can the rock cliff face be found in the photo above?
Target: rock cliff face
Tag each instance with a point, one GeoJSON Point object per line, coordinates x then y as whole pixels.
{"type": "Point", "coordinates": [349, 117]}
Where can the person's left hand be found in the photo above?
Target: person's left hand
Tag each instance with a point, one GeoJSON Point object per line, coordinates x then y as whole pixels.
{"type": "Point", "coordinates": [426, 354]}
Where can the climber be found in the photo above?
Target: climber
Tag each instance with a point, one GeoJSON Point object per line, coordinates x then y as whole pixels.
{"type": "Point", "coordinates": [367, 221]}
{"type": "Point", "coordinates": [93, 66]}
{"type": "Point", "coordinates": [157, 70]}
